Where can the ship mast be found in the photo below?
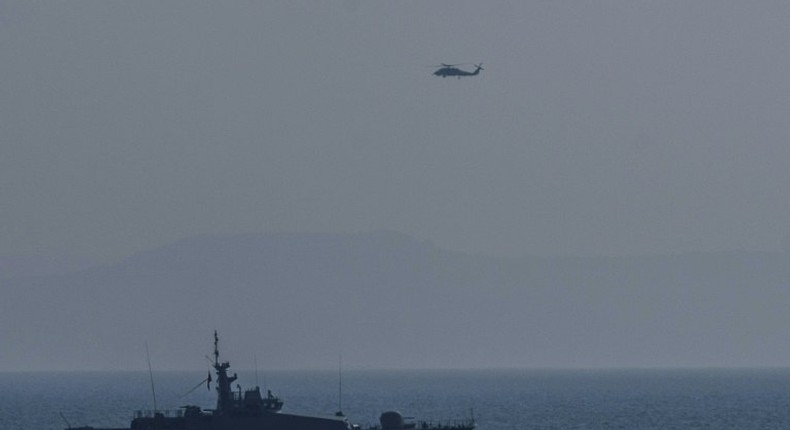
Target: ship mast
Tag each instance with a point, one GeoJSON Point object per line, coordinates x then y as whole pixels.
{"type": "Point", "coordinates": [216, 349]}
{"type": "Point", "coordinates": [224, 392]}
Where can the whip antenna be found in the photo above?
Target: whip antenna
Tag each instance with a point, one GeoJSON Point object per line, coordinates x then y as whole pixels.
{"type": "Point", "coordinates": [340, 385]}
{"type": "Point", "coordinates": [255, 360]}
{"type": "Point", "coordinates": [64, 419]}
{"type": "Point", "coordinates": [150, 374]}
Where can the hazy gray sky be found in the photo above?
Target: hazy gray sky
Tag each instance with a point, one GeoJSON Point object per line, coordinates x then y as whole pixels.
{"type": "Point", "coordinates": [597, 127]}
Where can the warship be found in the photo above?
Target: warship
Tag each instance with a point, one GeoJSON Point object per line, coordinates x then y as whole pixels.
{"type": "Point", "coordinates": [249, 410]}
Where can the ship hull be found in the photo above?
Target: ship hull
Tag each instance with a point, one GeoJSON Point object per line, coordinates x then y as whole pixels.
{"type": "Point", "coordinates": [275, 421]}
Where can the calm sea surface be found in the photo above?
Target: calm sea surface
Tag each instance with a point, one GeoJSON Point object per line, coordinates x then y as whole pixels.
{"type": "Point", "coordinates": [501, 399]}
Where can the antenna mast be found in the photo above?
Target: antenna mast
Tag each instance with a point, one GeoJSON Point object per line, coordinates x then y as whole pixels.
{"type": "Point", "coordinates": [64, 419]}
{"type": "Point", "coordinates": [216, 349]}
{"type": "Point", "coordinates": [255, 360]}
{"type": "Point", "coordinates": [150, 374]}
{"type": "Point", "coordinates": [340, 386]}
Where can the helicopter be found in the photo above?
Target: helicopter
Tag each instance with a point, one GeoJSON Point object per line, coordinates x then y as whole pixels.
{"type": "Point", "coordinates": [446, 70]}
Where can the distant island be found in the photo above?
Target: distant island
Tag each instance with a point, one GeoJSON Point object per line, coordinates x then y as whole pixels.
{"type": "Point", "coordinates": [387, 300]}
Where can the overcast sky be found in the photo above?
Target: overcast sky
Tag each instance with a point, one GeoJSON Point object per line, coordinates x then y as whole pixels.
{"type": "Point", "coordinates": [596, 128]}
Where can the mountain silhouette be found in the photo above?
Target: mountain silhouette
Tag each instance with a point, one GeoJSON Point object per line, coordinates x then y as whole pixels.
{"type": "Point", "coordinates": [384, 299]}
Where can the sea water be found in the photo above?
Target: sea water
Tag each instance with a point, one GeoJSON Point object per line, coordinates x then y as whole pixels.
{"type": "Point", "coordinates": [499, 399]}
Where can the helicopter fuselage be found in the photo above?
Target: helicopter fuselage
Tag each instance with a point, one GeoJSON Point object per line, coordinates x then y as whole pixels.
{"type": "Point", "coordinates": [454, 71]}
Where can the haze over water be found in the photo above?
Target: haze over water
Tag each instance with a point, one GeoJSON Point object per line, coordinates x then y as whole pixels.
{"type": "Point", "coordinates": [507, 399]}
